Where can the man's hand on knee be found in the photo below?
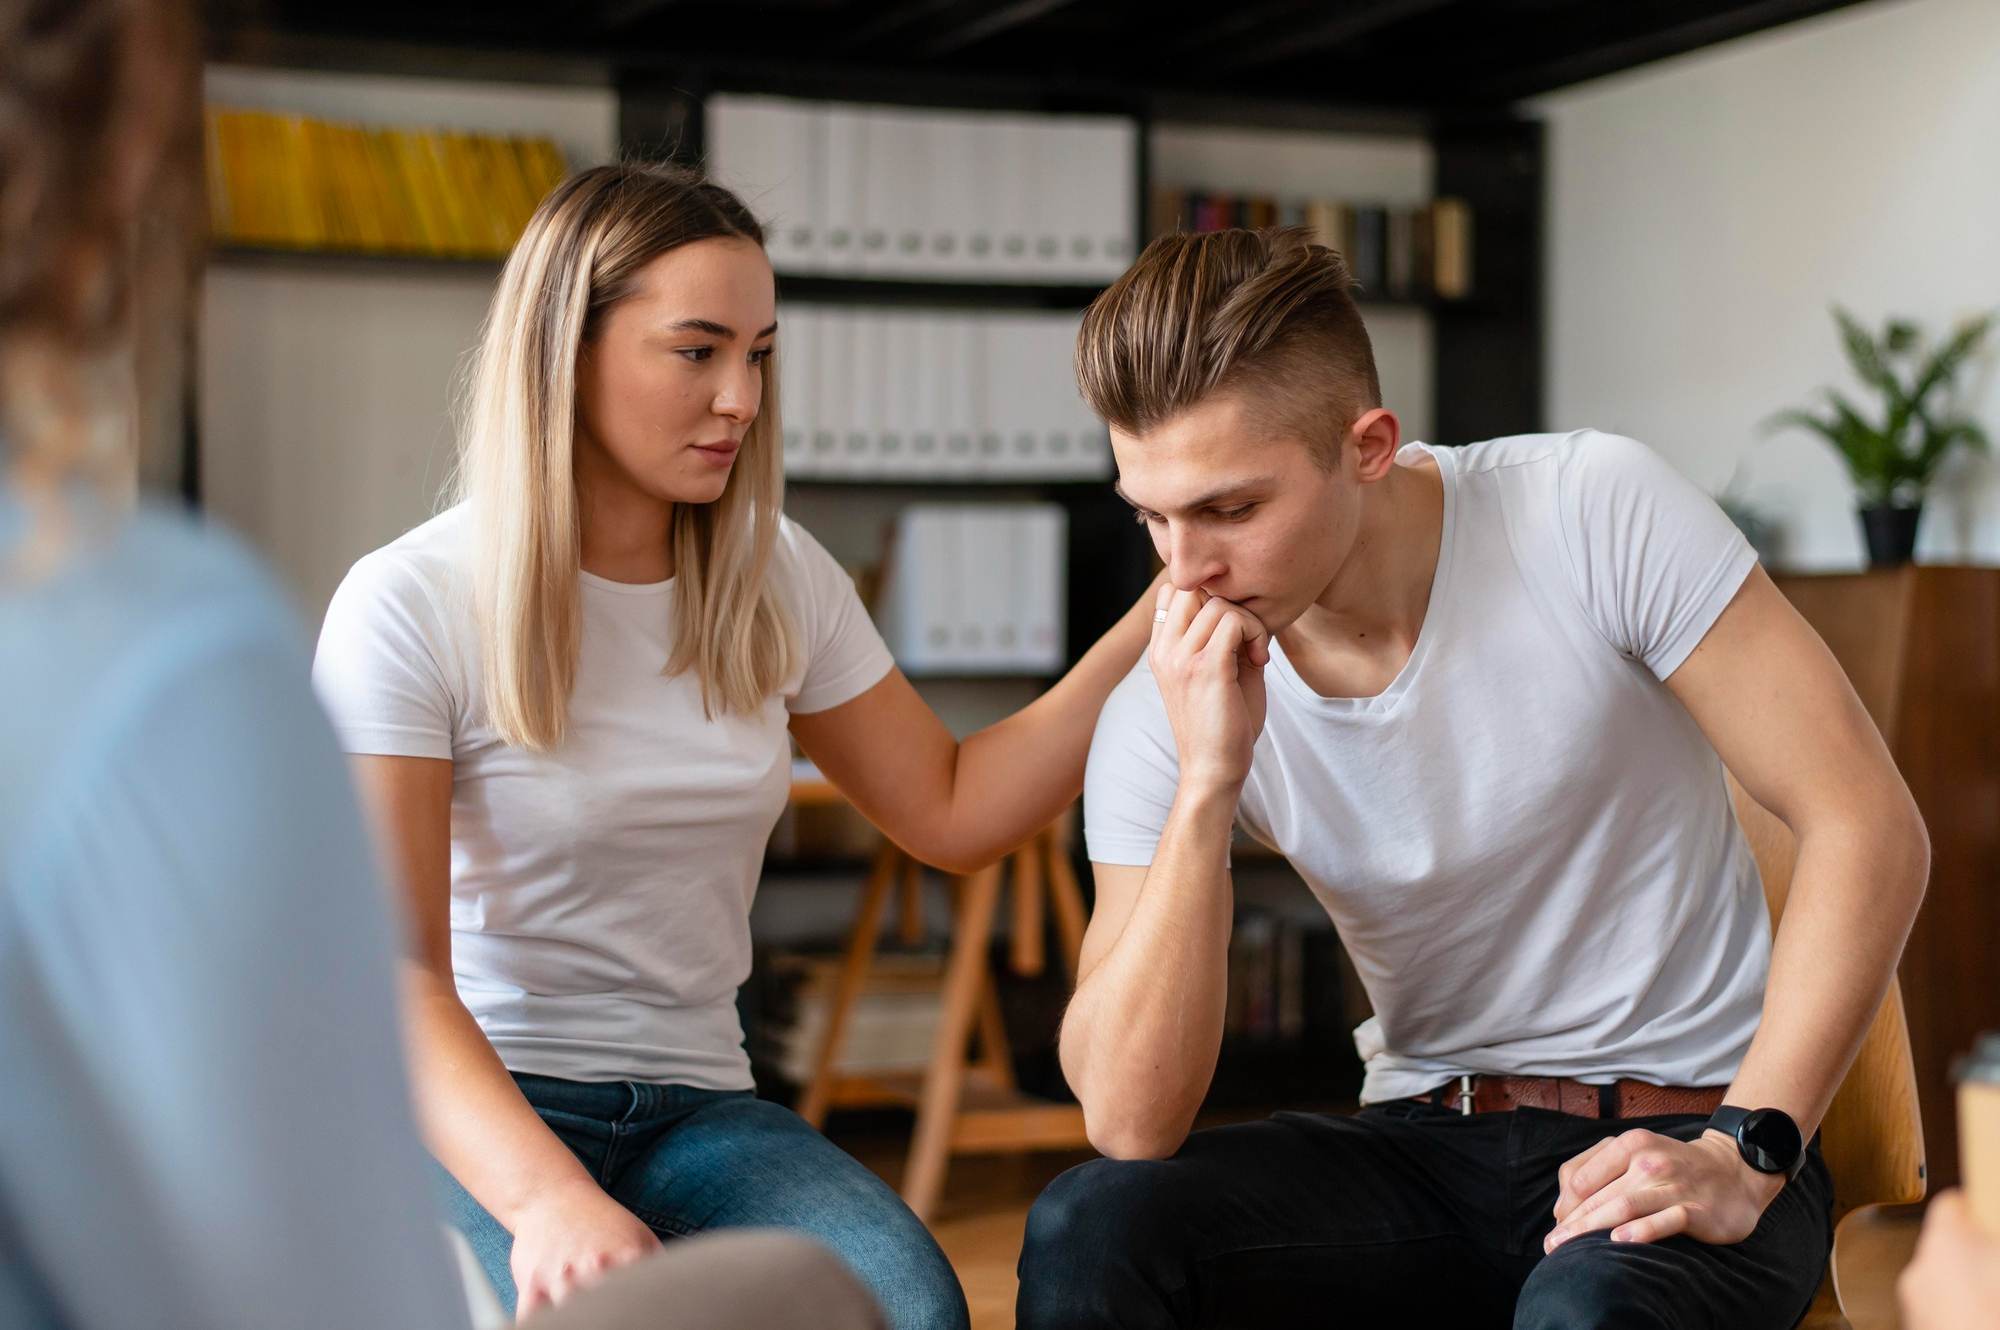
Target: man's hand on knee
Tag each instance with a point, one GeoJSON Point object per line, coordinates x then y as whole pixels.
{"type": "Point", "coordinates": [1644, 1187]}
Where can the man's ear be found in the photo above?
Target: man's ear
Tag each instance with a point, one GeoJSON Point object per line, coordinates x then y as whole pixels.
{"type": "Point", "coordinates": [1375, 437]}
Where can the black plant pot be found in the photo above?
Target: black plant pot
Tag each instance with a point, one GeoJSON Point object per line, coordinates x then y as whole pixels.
{"type": "Point", "coordinates": [1892, 534]}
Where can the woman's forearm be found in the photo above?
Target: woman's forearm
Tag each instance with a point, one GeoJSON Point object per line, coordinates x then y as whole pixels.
{"type": "Point", "coordinates": [1012, 778]}
{"type": "Point", "coordinates": [961, 805]}
{"type": "Point", "coordinates": [474, 1118]}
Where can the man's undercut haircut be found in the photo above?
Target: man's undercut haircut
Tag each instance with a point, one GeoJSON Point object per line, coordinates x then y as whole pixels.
{"type": "Point", "coordinates": [1267, 314]}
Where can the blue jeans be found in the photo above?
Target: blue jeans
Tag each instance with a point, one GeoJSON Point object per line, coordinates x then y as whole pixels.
{"type": "Point", "coordinates": [686, 1160]}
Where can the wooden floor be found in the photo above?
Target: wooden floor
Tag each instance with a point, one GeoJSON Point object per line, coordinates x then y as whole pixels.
{"type": "Point", "coordinates": [986, 1202]}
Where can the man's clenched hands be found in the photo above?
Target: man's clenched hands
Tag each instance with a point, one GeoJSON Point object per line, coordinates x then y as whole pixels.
{"type": "Point", "coordinates": [1644, 1187]}
{"type": "Point", "coordinates": [1208, 656]}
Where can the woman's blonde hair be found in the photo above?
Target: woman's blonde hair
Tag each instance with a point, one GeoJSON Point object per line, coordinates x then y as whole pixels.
{"type": "Point", "coordinates": [579, 258]}
{"type": "Point", "coordinates": [101, 239]}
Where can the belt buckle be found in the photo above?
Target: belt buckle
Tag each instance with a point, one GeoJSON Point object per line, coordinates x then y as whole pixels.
{"type": "Point", "coordinates": [1465, 1095]}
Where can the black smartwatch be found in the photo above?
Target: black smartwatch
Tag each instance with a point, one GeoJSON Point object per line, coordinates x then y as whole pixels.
{"type": "Point", "coordinates": [1767, 1138]}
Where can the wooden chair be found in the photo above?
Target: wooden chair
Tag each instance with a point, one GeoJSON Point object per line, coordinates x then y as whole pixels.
{"type": "Point", "coordinates": [1873, 1137]}
{"type": "Point", "coordinates": [964, 1106]}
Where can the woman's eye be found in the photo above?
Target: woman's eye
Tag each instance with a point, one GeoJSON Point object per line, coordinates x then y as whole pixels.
{"type": "Point", "coordinates": [697, 353]}
{"type": "Point", "coordinates": [759, 357]}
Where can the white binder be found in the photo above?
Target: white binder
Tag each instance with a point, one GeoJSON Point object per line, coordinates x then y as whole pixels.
{"type": "Point", "coordinates": [1012, 140]}
{"type": "Point", "coordinates": [889, 238]}
{"type": "Point", "coordinates": [797, 358]}
{"type": "Point", "coordinates": [835, 415]}
{"type": "Point", "coordinates": [959, 248]}
{"type": "Point", "coordinates": [928, 392]}
{"type": "Point", "coordinates": [846, 183]}
{"type": "Point", "coordinates": [964, 356]}
{"type": "Point", "coordinates": [911, 394]}
{"type": "Point", "coordinates": [861, 446]}
{"type": "Point", "coordinates": [900, 353]}
{"type": "Point", "coordinates": [974, 196]}
{"type": "Point", "coordinates": [1102, 186]}
{"type": "Point", "coordinates": [1042, 534]}
{"type": "Point", "coordinates": [1011, 374]}
{"type": "Point", "coordinates": [762, 147]}
{"type": "Point", "coordinates": [977, 588]}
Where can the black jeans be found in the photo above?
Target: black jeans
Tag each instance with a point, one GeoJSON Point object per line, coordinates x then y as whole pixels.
{"type": "Point", "coordinates": [1406, 1214]}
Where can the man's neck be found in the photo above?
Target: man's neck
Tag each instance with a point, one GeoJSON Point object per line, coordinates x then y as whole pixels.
{"type": "Point", "coordinates": [1358, 634]}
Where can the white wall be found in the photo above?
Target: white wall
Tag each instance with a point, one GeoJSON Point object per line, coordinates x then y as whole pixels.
{"type": "Point", "coordinates": [326, 387]}
{"type": "Point", "coordinates": [1704, 212]}
{"type": "Point", "coordinates": [325, 408]}
{"type": "Point", "coordinates": [1365, 168]}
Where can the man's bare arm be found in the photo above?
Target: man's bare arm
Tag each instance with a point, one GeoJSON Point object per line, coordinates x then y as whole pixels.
{"type": "Point", "coordinates": [1777, 707]}
{"type": "Point", "coordinates": [1774, 702]}
{"type": "Point", "coordinates": [1140, 1041]}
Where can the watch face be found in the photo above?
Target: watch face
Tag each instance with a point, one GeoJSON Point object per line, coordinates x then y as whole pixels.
{"type": "Point", "coordinates": [1770, 1140]}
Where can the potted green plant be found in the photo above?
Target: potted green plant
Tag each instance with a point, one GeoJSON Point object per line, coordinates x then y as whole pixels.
{"type": "Point", "coordinates": [1893, 457]}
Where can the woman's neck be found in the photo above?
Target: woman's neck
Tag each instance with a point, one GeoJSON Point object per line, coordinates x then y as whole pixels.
{"type": "Point", "coordinates": [625, 529]}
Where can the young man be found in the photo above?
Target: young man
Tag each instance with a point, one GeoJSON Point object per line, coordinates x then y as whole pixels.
{"type": "Point", "coordinates": [1503, 686]}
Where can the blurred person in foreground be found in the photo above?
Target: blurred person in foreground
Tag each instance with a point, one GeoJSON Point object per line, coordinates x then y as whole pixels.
{"type": "Point", "coordinates": [1953, 1283]}
{"type": "Point", "coordinates": [206, 1121]}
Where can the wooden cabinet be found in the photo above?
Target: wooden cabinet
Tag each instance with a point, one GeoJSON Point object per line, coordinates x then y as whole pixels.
{"type": "Point", "coordinates": [1922, 645]}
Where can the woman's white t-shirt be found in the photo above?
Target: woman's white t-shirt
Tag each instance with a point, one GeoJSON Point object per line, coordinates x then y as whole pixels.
{"type": "Point", "coordinates": [600, 892]}
{"type": "Point", "coordinates": [1525, 840]}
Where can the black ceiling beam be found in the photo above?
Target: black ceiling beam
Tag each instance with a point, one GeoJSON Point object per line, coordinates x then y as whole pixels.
{"type": "Point", "coordinates": [1654, 44]}
{"type": "Point", "coordinates": [615, 14]}
{"type": "Point", "coordinates": [893, 19]}
{"type": "Point", "coordinates": [1356, 18]}
{"type": "Point", "coordinates": [1234, 23]}
{"type": "Point", "coordinates": [996, 20]}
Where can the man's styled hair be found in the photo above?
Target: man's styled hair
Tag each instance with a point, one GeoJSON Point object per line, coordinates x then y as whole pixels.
{"type": "Point", "coordinates": [1267, 313]}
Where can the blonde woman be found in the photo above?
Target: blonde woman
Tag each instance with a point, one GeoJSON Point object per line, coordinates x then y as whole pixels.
{"type": "Point", "coordinates": [570, 699]}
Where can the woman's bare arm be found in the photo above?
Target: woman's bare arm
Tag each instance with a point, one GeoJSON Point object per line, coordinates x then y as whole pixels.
{"type": "Point", "coordinates": [473, 1117]}
{"type": "Point", "coordinates": [962, 805]}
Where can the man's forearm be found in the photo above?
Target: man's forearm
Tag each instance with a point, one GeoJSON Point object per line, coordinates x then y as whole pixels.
{"type": "Point", "coordinates": [1140, 1041]}
{"type": "Point", "coordinates": [1855, 894]}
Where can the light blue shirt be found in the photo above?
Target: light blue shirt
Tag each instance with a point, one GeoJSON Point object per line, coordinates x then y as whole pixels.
{"type": "Point", "coordinates": [204, 1120]}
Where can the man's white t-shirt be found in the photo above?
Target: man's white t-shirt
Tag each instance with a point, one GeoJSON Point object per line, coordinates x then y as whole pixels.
{"type": "Point", "coordinates": [1526, 843]}
{"type": "Point", "coordinates": [600, 892]}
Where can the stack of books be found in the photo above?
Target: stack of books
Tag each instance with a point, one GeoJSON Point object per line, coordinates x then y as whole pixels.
{"type": "Point", "coordinates": [976, 588]}
{"type": "Point", "coordinates": [935, 195]}
{"type": "Point", "coordinates": [905, 394]}
{"type": "Point", "coordinates": [1395, 253]}
{"type": "Point", "coordinates": [295, 182]}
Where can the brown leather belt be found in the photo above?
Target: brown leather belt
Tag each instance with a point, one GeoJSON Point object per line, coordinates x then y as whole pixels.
{"type": "Point", "coordinates": [1619, 1099]}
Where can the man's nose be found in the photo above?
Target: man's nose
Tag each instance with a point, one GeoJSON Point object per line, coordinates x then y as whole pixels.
{"type": "Point", "coordinates": [1192, 564]}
